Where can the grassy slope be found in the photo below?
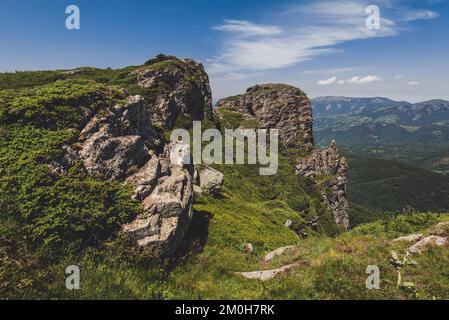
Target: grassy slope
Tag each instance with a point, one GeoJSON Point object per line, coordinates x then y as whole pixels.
{"type": "Point", "coordinates": [40, 212]}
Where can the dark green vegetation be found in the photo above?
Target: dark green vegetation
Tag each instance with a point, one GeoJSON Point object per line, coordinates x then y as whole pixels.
{"type": "Point", "coordinates": [387, 185]}
{"type": "Point", "coordinates": [50, 221]}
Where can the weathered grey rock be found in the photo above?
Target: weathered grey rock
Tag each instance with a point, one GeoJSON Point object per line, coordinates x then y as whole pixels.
{"type": "Point", "coordinates": [330, 164]}
{"type": "Point", "coordinates": [121, 144]}
{"type": "Point", "coordinates": [249, 248]}
{"type": "Point", "coordinates": [441, 229]}
{"type": "Point", "coordinates": [210, 180]}
{"type": "Point", "coordinates": [427, 242]}
{"type": "Point", "coordinates": [266, 275]}
{"type": "Point", "coordinates": [410, 238]}
{"type": "Point", "coordinates": [278, 252]}
{"type": "Point", "coordinates": [118, 141]}
{"type": "Point", "coordinates": [183, 90]}
{"type": "Point", "coordinates": [276, 106]}
{"type": "Point", "coordinates": [167, 199]}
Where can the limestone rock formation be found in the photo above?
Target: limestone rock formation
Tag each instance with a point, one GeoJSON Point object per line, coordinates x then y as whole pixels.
{"type": "Point", "coordinates": [276, 106]}
{"type": "Point", "coordinates": [328, 163]}
{"type": "Point", "coordinates": [183, 91]}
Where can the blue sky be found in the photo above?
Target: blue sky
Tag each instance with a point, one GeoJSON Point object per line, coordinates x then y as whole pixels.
{"type": "Point", "coordinates": [321, 46]}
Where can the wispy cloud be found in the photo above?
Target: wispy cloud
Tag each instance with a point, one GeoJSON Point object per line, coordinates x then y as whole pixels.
{"type": "Point", "coordinates": [327, 81]}
{"type": "Point", "coordinates": [363, 80]}
{"type": "Point", "coordinates": [331, 71]}
{"type": "Point", "coordinates": [413, 83]}
{"type": "Point", "coordinates": [419, 15]}
{"type": "Point", "coordinates": [306, 31]}
{"type": "Point", "coordinates": [353, 80]}
{"type": "Point", "coordinates": [247, 29]}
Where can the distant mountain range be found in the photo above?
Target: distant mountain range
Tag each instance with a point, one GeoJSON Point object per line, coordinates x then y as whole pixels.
{"type": "Point", "coordinates": [379, 127]}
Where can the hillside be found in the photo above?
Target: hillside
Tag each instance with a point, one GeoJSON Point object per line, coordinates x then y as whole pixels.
{"type": "Point", "coordinates": [377, 127]}
{"type": "Point", "coordinates": [87, 178]}
{"type": "Point", "coordinates": [387, 185]}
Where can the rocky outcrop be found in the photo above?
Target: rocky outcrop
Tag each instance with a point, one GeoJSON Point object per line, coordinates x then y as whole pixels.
{"type": "Point", "coordinates": [165, 188]}
{"type": "Point", "coordinates": [330, 168]}
{"type": "Point", "coordinates": [120, 143]}
{"type": "Point", "coordinates": [182, 90]}
{"type": "Point", "coordinates": [288, 109]}
{"type": "Point", "coordinates": [118, 140]}
{"type": "Point", "coordinates": [276, 106]}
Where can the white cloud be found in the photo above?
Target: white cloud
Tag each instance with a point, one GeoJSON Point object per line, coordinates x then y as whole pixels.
{"type": "Point", "coordinates": [341, 82]}
{"type": "Point", "coordinates": [327, 81]}
{"type": "Point", "coordinates": [247, 29]}
{"type": "Point", "coordinates": [361, 80]}
{"type": "Point", "coordinates": [330, 71]}
{"type": "Point", "coordinates": [413, 83]}
{"type": "Point", "coordinates": [419, 15]}
{"type": "Point", "coordinates": [313, 29]}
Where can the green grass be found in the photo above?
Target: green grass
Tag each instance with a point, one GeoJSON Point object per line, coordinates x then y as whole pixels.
{"type": "Point", "coordinates": [50, 221]}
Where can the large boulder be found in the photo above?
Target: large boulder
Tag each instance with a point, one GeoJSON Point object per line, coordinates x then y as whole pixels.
{"type": "Point", "coordinates": [209, 179]}
{"type": "Point", "coordinates": [276, 106]}
{"type": "Point", "coordinates": [183, 90]}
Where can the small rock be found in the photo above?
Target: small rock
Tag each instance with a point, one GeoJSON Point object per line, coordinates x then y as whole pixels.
{"type": "Point", "coordinates": [425, 243]}
{"type": "Point", "coordinates": [441, 229]}
{"type": "Point", "coordinates": [211, 180]}
{"type": "Point", "coordinates": [249, 248]}
{"type": "Point", "coordinates": [278, 252]}
{"type": "Point", "coordinates": [267, 274]}
{"type": "Point", "coordinates": [410, 238]}
{"type": "Point", "coordinates": [288, 223]}
{"type": "Point", "coordinates": [197, 190]}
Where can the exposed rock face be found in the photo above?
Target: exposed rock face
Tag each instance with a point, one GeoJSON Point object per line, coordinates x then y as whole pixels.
{"type": "Point", "coordinates": [330, 164]}
{"type": "Point", "coordinates": [276, 106]}
{"type": "Point", "coordinates": [118, 140]}
{"type": "Point", "coordinates": [121, 144]}
{"type": "Point", "coordinates": [166, 191]}
{"type": "Point", "coordinates": [184, 94]}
